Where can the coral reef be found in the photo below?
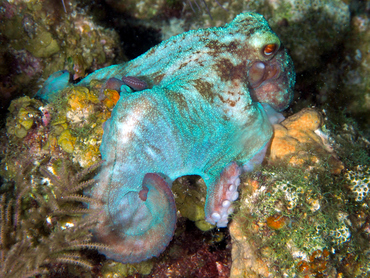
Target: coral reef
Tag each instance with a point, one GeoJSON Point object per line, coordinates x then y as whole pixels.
{"type": "Point", "coordinates": [68, 127]}
{"type": "Point", "coordinates": [293, 222]}
{"type": "Point", "coordinates": [304, 214]}
{"type": "Point", "coordinates": [39, 38]}
{"type": "Point", "coordinates": [348, 140]}
{"type": "Point", "coordinates": [303, 218]}
{"type": "Point", "coordinates": [25, 116]}
{"type": "Point", "coordinates": [301, 215]}
{"type": "Point", "coordinates": [60, 127]}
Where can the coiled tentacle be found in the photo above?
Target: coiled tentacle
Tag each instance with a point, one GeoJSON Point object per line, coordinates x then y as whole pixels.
{"type": "Point", "coordinates": [142, 225]}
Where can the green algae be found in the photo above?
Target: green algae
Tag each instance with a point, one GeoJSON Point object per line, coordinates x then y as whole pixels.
{"type": "Point", "coordinates": [320, 215]}
{"type": "Point", "coordinates": [190, 196]}
{"type": "Point", "coordinates": [43, 45]}
{"type": "Point", "coordinates": [114, 269]}
{"type": "Point", "coordinates": [23, 115]}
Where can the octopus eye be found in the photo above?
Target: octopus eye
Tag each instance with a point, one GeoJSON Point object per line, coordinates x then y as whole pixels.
{"type": "Point", "coordinates": [269, 49]}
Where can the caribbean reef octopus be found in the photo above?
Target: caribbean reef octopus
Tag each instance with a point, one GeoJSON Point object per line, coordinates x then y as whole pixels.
{"type": "Point", "coordinates": [201, 103]}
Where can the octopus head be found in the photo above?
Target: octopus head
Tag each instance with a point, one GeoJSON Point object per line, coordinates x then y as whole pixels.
{"type": "Point", "coordinates": [271, 75]}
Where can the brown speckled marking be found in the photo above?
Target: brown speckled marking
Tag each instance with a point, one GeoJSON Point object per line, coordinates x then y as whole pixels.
{"type": "Point", "coordinates": [215, 48]}
{"type": "Point", "coordinates": [178, 100]}
{"type": "Point", "coordinates": [224, 68]}
{"type": "Point", "coordinates": [234, 48]}
{"type": "Point", "coordinates": [231, 47]}
{"type": "Point", "coordinates": [242, 51]}
{"type": "Point", "coordinates": [227, 101]}
{"type": "Point", "coordinates": [225, 97]}
{"type": "Point", "coordinates": [212, 44]}
{"type": "Point", "coordinates": [183, 65]}
{"type": "Point", "coordinates": [251, 31]}
{"type": "Point", "coordinates": [151, 51]}
{"type": "Point", "coordinates": [204, 88]}
{"type": "Point", "coordinates": [157, 79]}
{"type": "Point", "coordinates": [247, 21]}
{"type": "Point", "coordinates": [227, 71]}
{"type": "Point", "coordinates": [239, 73]}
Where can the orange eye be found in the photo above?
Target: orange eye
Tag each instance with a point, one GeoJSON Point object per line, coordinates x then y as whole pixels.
{"type": "Point", "coordinates": [269, 49]}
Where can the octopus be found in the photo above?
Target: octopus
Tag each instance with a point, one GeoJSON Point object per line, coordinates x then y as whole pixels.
{"type": "Point", "coordinates": [201, 103]}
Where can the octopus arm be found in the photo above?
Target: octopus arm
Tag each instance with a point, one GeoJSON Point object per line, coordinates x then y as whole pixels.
{"type": "Point", "coordinates": [141, 225]}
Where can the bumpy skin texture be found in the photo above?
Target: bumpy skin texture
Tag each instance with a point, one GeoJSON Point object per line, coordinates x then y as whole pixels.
{"type": "Point", "coordinates": [198, 116]}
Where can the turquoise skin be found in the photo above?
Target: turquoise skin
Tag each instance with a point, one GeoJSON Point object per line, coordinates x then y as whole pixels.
{"type": "Point", "coordinates": [56, 82]}
{"type": "Point", "coordinates": [201, 114]}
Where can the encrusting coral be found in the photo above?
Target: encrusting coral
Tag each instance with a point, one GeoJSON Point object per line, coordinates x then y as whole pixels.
{"type": "Point", "coordinates": [300, 141]}
{"type": "Point", "coordinates": [41, 222]}
{"type": "Point", "coordinates": [70, 127]}
{"type": "Point", "coordinates": [286, 215]}
{"type": "Point", "coordinates": [359, 180]}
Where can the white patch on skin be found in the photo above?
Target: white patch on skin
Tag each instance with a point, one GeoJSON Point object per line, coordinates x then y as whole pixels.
{"type": "Point", "coordinates": [130, 124]}
{"type": "Point", "coordinates": [150, 152]}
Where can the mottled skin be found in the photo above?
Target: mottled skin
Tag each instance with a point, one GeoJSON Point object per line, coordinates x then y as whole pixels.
{"type": "Point", "coordinates": [199, 116]}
